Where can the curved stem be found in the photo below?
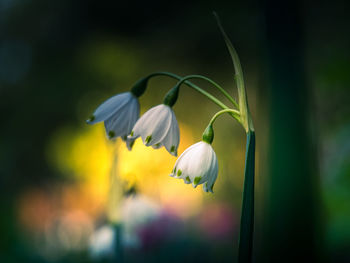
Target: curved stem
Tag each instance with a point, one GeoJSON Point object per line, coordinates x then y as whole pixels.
{"type": "Point", "coordinates": [208, 134]}
{"type": "Point", "coordinates": [190, 84]}
{"type": "Point", "coordinates": [195, 87]}
{"type": "Point", "coordinates": [232, 111]}
{"type": "Point", "coordinates": [211, 82]}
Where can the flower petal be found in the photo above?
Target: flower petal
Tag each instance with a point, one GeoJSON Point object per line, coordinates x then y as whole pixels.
{"type": "Point", "coordinates": [197, 165]}
{"type": "Point", "coordinates": [157, 145]}
{"type": "Point", "coordinates": [181, 162]}
{"type": "Point", "coordinates": [109, 107]}
{"type": "Point", "coordinates": [134, 114]}
{"type": "Point", "coordinates": [129, 142]}
{"type": "Point", "coordinates": [200, 163]}
{"type": "Point", "coordinates": [153, 125]}
{"type": "Point", "coordinates": [121, 123]}
{"type": "Point", "coordinates": [213, 174]}
{"type": "Point", "coordinates": [189, 163]}
{"type": "Point", "coordinates": [117, 124]}
{"type": "Point", "coordinates": [172, 139]}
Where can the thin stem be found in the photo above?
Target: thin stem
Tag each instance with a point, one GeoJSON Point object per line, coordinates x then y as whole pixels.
{"type": "Point", "coordinates": [232, 111]}
{"type": "Point", "coordinates": [211, 82]}
{"type": "Point", "coordinates": [195, 87]}
{"type": "Point", "coordinates": [190, 84]}
{"type": "Point", "coordinates": [245, 246]}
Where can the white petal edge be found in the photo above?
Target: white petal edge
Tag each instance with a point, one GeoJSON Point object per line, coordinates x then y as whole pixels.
{"type": "Point", "coordinates": [203, 155]}
{"type": "Point", "coordinates": [184, 162]}
{"type": "Point", "coordinates": [153, 125]}
{"type": "Point", "coordinates": [123, 120]}
{"type": "Point", "coordinates": [172, 139]}
{"type": "Point", "coordinates": [109, 107]}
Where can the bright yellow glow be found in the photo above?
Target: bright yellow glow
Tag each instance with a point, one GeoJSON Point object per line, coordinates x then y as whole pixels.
{"type": "Point", "coordinates": [87, 157]}
{"type": "Point", "coordinates": [149, 170]}
{"type": "Point", "coordinates": [94, 162]}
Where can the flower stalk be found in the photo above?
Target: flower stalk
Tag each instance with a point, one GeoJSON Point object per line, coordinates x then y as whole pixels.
{"type": "Point", "coordinates": [245, 243]}
{"type": "Point", "coordinates": [222, 90]}
{"type": "Point", "coordinates": [191, 85]}
{"type": "Point", "coordinates": [245, 247]}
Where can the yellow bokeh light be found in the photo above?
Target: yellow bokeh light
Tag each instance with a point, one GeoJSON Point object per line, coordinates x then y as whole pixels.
{"type": "Point", "coordinates": [97, 164]}
{"type": "Point", "coordinates": [86, 157]}
{"type": "Point", "coordinates": [149, 170]}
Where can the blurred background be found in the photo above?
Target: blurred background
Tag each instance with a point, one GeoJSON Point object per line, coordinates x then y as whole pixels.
{"type": "Point", "coordinates": [66, 191]}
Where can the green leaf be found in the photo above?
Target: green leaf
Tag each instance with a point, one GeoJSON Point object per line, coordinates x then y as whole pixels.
{"type": "Point", "coordinates": [242, 96]}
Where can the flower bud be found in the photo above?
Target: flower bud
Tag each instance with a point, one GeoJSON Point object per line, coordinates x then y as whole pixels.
{"type": "Point", "coordinates": [208, 134]}
{"type": "Point", "coordinates": [139, 87]}
{"type": "Point", "coordinates": [171, 97]}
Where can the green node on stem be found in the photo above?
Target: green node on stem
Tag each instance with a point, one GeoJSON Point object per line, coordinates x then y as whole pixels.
{"type": "Point", "coordinates": [171, 97]}
{"type": "Point", "coordinates": [140, 87]}
{"type": "Point", "coordinates": [208, 134]}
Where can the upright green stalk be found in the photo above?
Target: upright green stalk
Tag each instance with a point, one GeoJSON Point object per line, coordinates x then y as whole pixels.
{"type": "Point", "coordinates": [247, 217]}
{"type": "Point", "coordinates": [245, 246]}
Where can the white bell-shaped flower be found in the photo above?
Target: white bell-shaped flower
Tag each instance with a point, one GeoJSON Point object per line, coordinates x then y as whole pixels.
{"type": "Point", "coordinates": [158, 127]}
{"type": "Point", "coordinates": [119, 114]}
{"type": "Point", "coordinates": [197, 165]}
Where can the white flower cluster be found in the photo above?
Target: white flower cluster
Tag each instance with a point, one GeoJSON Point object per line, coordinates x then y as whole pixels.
{"type": "Point", "coordinates": [157, 127]}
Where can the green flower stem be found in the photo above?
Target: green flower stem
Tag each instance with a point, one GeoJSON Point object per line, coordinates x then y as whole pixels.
{"type": "Point", "coordinates": [245, 247]}
{"type": "Point", "coordinates": [247, 215]}
{"type": "Point", "coordinates": [232, 100]}
{"type": "Point", "coordinates": [232, 111]}
{"type": "Point", "coordinates": [190, 84]}
{"type": "Point", "coordinates": [195, 87]}
{"type": "Point", "coordinates": [245, 243]}
{"type": "Point", "coordinates": [208, 134]}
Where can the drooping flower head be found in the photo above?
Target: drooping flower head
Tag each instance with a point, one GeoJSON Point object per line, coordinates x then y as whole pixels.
{"type": "Point", "coordinates": [158, 127]}
{"type": "Point", "coordinates": [198, 163]}
{"type": "Point", "coordinates": [119, 114]}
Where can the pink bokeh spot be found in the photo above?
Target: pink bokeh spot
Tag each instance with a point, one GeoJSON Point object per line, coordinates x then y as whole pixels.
{"type": "Point", "coordinates": [217, 221]}
{"type": "Point", "coordinates": [164, 228]}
